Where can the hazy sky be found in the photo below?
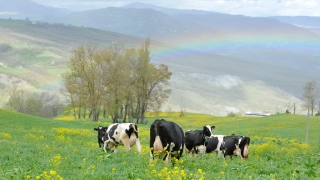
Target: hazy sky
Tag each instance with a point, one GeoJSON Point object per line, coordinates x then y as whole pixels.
{"type": "Point", "coordinates": [244, 7]}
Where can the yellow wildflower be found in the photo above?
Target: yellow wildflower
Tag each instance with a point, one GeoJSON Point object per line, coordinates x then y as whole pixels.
{"type": "Point", "coordinates": [52, 172]}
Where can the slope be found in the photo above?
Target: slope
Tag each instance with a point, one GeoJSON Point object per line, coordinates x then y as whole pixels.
{"type": "Point", "coordinates": [27, 9]}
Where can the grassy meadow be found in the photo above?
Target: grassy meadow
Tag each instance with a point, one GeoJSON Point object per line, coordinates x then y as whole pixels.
{"type": "Point", "coordinates": [63, 148]}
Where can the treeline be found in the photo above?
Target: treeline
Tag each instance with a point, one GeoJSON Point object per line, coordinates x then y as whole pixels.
{"type": "Point", "coordinates": [115, 81]}
{"type": "Point", "coordinates": [41, 104]}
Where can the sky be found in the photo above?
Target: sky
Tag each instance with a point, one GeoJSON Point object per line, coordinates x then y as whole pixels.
{"type": "Point", "coordinates": [236, 7]}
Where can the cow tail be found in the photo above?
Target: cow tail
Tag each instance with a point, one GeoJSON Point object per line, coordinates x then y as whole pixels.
{"type": "Point", "coordinates": [134, 126]}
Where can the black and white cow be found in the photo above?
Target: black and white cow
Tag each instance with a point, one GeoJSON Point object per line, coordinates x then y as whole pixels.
{"type": "Point", "coordinates": [215, 145]}
{"type": "Point", "coordinates": [236, 146]}
{"type": "Point", "coordinates": [101, 132]}
{"type": "Point", "coordinates": [121, 134]}
{"type": "Point", "coordinates": [195, 140]}
{"type": "Point", "coordinates": [166, 137]}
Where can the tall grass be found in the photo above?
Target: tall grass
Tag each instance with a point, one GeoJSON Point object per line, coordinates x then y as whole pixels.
{"type": "Point", "coordinates": [37, 148]}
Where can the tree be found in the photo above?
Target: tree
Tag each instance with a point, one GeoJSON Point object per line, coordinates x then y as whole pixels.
{"type": "Point", "coordinates": [151, 82]}
{"type": "Point", "coordinates": [85, 73]}
{"type": "Point", "coordinates": [119, 81]}
{"type": "Point", "coordinates": [114, 80]}
{"type": "Point", "coordinates": [288, 106]}
{"type": "Point", "coordinates": [310, 96]}
{"type": "Point", "coordinates": [33, 104]}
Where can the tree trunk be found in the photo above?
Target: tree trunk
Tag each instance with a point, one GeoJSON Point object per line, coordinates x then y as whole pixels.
{"type": "Point", "coordinates": [104, 112]}
{"type": "Point", "coordinates": [79, 112]}
{"type": "Point", "coordinates": [74, 113]}
{"type": "Point", "coordinates": [84, 113]}
{"type": "Point", "coordinates": [125, 113]}
{"type": "Point", "coordinates": [143, 110]}
{"type": "Point", "coordinates": [94, 114]}
{"type": "Point", "coordinates": [90, 113]}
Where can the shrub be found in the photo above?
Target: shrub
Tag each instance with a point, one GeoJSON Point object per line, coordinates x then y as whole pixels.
{"type": "Point", "coordinates": [231, 114]}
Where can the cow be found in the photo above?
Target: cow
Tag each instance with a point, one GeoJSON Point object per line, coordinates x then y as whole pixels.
{"type": "Point", "coordinates": [166, 138]}
{"type": "Point", "coordinates": [215, 144]}
{"type": "Point", "coordinates": [236, 146]}
{"type": "Point", "coordinates": [121, 134]}
{"type": "Point", "coordinates": [101, 132]}
{"type": "Point", "coordinates": [195, 140]}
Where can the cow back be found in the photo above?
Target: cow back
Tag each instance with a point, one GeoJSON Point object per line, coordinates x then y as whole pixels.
{"type": "Point", "coordinates": [193, 139]}
{"type": "Point", "coordinates": [214, 144]}
{"type": "Point", "coordinates": [169, 133]}
{"type": "Point", "coordinates": [230, 144]}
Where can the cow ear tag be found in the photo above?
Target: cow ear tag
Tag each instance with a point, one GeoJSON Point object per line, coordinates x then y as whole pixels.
{"type": "Point", "coordinates": [206, 140]}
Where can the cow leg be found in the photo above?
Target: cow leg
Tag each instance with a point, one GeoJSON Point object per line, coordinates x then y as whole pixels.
{"type": "Point", "coordinates": [167, 158]}
{"type": "Point", "coordinates": [168, 151]}
{"type": "Point", "coordinates": [202, 150]}
{"type": "Point", "coordinates": [126, 144]}
{"type": "Point", "coordinates": [115, 150]}
{"type": "Point", "coordinates": [195, 152]}
{"type": "Point", "coordinates": [192, 153]}
{"type": "Point", "coordinates": [151, 156]}
{"type": "Point", "coordinates": [105, 147]}
{"type": "Point", "coordinates": [219, 153]}
{"type": "Point", "coordinates": [139, 147]}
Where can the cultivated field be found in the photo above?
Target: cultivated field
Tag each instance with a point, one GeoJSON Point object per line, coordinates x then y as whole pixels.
{"type": "Point", "coordinates": [36, 148]}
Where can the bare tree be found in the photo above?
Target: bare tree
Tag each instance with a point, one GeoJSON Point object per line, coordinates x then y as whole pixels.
{"type": "Point", "coordinates": [288, 106]}
{"type": "Point", "coordinates": [182, 112]}
{"type": "Point", "coordinates": [310, 96]}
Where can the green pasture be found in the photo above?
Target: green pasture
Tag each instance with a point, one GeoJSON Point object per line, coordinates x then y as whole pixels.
{"type": "Point", "coordinates": [37, 148]}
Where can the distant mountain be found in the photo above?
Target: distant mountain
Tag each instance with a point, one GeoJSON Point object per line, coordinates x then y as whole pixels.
{"type": "Point", "coordinates": [169, 11]}
{"type": "Point", "coordinates": [22, 9]}
{"type": "Point", "coordinates": [302, 21]}
{"type": "Point", "coordinates": [141, 23]}
{"type": "Point", "coordinates": [308, 22]}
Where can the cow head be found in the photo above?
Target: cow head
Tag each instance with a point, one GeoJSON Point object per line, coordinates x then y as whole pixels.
{"type": "Point", "coordinates": [101, 130]}
{"type": "Point", "coordinates": [207, 131]}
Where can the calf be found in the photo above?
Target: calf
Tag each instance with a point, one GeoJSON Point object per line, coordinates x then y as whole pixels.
{"type": "Point", "coordinates": [195, 140]}
{"type": "Point", "coordinates": [215, 145]}
{"type": "Point", "coordinates": [101, 132]}
{"type": "Point", "coordinates": [166, 137]}
{"type": "Point", "coordinates": [236, 146]}
{"type": "Point", "coordinates": [121, 133]}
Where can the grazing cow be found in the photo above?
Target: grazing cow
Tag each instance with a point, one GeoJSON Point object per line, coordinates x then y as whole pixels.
{"type": "Point", "coordinates": [215, 145]}
{"type": "Point", "coordinates": [121, 133]}
{"type": "Point", "coordinates": [195, 140]}
{"type": "Point", "coordinates": [166, 137]}
{"type": "Point", "coordinates": [101, 132]}
{"type": "Point", "coordinates": [236, 146]}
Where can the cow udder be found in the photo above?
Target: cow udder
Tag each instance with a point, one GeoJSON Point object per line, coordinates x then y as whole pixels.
{"type": "Point", "coordinates": [132, 140]}
{"type": "Point", "coordinates": [157, 145]}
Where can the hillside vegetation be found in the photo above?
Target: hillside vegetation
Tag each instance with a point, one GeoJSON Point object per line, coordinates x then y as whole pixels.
{"type": "Point", "coordinates": [34, 55]}
{"type": "Point", "coordinates": [37, 148]}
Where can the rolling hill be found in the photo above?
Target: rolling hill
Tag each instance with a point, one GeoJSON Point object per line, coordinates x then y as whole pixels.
{"type": "Point", "coordinates": [221, 63]}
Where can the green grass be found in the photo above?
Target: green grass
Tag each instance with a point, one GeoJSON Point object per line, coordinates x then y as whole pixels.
{"type": "Point", "coordinates": [32, 147]}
